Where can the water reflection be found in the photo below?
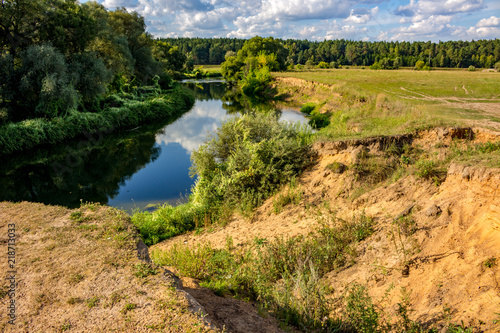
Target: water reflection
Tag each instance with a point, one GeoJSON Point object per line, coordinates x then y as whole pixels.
{"type": "Point", "coordinates": [130, 169]}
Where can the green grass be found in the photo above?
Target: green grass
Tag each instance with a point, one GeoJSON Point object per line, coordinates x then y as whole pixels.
{"type": "Point", "coordinates": [388, 102]}
{"type": "Point", "coordinates": [437, 83]}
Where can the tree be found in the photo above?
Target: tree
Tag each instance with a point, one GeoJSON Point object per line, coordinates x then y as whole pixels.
{"type": "Point", "coordinates": [232, 69]}
{"type": "Point", "coordinates": [45, 85]}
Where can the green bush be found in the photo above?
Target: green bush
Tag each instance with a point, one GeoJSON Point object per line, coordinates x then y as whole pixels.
{"type": "Point", "coordinates": [323, 65]}
{"type": "Point", "coordinates": [319, 120]}
{"type": "Point", "coordinates": [419, 65]}
{"type": "Point", "coordinates": [256, 83]}
{"type": "Point", "coordinates": [471, 68]}
{"type": "Point", "coordinates": [247, 159]}
{"type": "Point", "coordinates": [308, 108]}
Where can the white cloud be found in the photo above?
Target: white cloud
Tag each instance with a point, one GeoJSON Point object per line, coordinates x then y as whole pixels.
{"type": "Point", "coordinates": [423, 29]}
{"type": "Point", "coordinates": [487, 28]}
{"type": "Point", "coordinates": [489, 22]}
{"type": "Point", "coordinates": [361, 15]}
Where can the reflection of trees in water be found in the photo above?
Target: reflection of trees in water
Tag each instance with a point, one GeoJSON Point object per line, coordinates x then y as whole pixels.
{"type": "Point", "coordinates": [234, 101]}
{"type": "Point", "coordinates": [64, 175]}
{"type": "Point", "coordinates": [207, 91]}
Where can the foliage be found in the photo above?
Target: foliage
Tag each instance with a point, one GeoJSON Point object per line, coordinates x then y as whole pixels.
{"type": "Point", "coordinates": [360, 310]}
{"type": "Point", "coordinates": [167, 221]}
{"type": "Point", "coordinates": [256, 83]}
{"type": "Point", "coordinates": [319, 120]}
{"type": "Point", "coordinates": [60, 57]}
{"type": "Point", "coordinates": [231, 69]}
{"type": "Point", "coordinates": [44, 84]}
{"type": "Point", "coordinates": [308, 108]}
{"type": "Point", "coordinates": [419, 65]}
{"type": "Point", "coordinates": [246, 160]}
{"type": "Point", "coordinates": [471, 68]}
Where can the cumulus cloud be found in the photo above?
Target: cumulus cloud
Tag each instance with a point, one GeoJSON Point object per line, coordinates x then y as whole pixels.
{"type": "Point", "coordinates": [316, 19]}
{"type": "Point", "coordinates": [361, 15]}
{"type": "Point", "coordinates": [489, 22]}
{"type": "Point", "coordinates": [433, 26]}
{"type": "Point", "coordinates": [112, 4]}
{"type": "Point", "coordinates": [484, 29]}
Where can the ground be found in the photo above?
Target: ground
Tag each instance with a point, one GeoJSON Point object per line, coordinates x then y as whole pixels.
{"type": "Point", "coordinates": [86, 270]}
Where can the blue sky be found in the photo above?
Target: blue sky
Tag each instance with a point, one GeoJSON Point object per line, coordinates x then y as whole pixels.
{"type": "Point", "coordinates": [370, 20]}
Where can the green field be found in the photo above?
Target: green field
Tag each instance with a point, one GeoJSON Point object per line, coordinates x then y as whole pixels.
{"type": "Point", "coordinates": [375, 102]}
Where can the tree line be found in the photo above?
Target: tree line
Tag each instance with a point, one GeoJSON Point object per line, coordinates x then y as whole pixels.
{"type": "Point", "coordinates": [460, 54]}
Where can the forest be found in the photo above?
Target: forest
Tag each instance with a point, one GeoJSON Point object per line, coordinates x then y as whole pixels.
{"type": "Point", "coordinates": [461, 54]}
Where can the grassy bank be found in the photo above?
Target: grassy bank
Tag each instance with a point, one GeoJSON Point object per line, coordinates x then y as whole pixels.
{"type": "Point", "coordinates": [118, 112]}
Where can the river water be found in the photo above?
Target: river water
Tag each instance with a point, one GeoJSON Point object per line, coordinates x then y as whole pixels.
{"type": "Point", "coordinates": [132, 170]}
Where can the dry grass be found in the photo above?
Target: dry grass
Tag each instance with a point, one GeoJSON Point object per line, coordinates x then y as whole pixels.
{"type": "Point", "coordinates": [79, 271]}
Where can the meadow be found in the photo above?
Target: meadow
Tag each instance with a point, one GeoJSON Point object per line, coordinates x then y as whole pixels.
{"type": "Point", "coordinates": [365, 102]}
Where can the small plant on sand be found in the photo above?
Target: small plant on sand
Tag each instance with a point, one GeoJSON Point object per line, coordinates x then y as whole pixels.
{"type": "Point", "coordinates": [292, 195]}
{"type": "Point", "coordinates": [490, 262]}
{"type": "Point", "coordinates": [144, 270]}
{"type": "Point", "coordinates": [128, 307]}
{"type": "Point", "coordinates": [92, 302]}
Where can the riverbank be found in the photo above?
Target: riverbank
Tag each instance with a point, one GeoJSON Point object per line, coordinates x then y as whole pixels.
{"type": "Point", "coordinates": [119, 113]}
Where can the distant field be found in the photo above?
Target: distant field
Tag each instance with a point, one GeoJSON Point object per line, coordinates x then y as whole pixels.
{"type": "Point", "coordinates": [408, 83]}
{"type": "Point", "coordinates": [209, 68]}
{"type": "Point", "coordinates": [414, 98]}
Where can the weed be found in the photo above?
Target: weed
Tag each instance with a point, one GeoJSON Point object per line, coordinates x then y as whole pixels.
{"type": "Point", "coordinates": [76, 278]}
{"type": "Point", "coordinates": [490, 262]}
{"type": "Point", "coordinates": [292, 195]}
{"type": "Point", "coordinates": [92, 302]}
{"type": "Point", "coordinates": [336, 167]}
{"type": "Point", "coordinates": [308, 108]}
{"type": "Point", "coordinates": [74, 300]}
{"type": "Point", "coordinates": [65, 327]}
{"type": "Point", "coordinates": [360, 310]}
{"type": "Point", "coordinates": [128, 307]}
{"type": "Point", "coordinates": [429, 170]}
{"type": "Point", "coordinates": [144, 270]}
{"type": "Point", "coordinates": [284, 274]}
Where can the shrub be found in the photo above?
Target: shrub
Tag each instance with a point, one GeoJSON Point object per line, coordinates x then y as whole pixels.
{"type": "Point", "coordinates": [471, 68]}
{"type": "Point", "coordinates": [257, 81]}
{"type": "Point", "coordinates": [419, 65]}
{"type": "Point", "coordinates": [319, 120]}
{"type": "Point", "coordinates": [308, 108]}
{"type": "Point", "coordinates": [376, 65]}
{"type": "Point", "coordinates": [323, 65]}
{"type": "Point", "coordinates": [246, 160]}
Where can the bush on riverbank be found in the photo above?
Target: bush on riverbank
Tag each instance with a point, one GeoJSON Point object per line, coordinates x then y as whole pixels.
{"type": "Point", "coordinates": [119, 111]}
{"type": "Point", "coordinates": [239, 167]}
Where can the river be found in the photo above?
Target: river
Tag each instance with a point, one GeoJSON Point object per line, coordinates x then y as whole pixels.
{"type": "Point", "coordinates": [132, 170]}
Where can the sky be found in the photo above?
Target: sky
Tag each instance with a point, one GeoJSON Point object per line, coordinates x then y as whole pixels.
{"type": "Point", "coordinates": [368, 20]}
